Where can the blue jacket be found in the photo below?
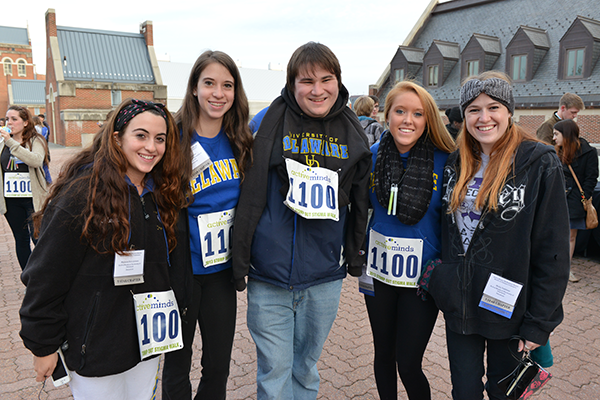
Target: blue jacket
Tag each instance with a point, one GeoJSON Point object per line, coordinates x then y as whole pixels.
{"type": "Point", "coordinates": [273, 244]}
{"type": "Point", "coordinates": [429, 228]}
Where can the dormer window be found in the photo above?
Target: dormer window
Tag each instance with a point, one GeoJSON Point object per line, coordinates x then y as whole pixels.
{"type": "Point", "coordinates": [439, 60]}
{"type": "Point", "coordinates": [479, 55]}
{"type": "Point", "coordinates": [406, 63]}
{"type": "Point", "coordinates": [473, 67]}
{"type": "Point", "coordinates": [525, 53]}
{"type": "Point", "coordinates": [579, 49]}
{"type": "Point", "coordinates": [399, 74]}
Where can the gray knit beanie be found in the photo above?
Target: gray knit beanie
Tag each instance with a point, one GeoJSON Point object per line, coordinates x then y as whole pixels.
{"type": "Point", "coordinates": [498, 89]}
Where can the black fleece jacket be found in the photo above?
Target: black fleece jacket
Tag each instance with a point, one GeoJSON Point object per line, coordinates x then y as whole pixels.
{"type": "Point", "coordinates": [71, 294]}
{"type": "Point", "coordinates": [525, 241]}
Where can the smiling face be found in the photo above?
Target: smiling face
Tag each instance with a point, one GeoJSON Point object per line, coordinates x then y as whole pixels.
{"type": "Point", "coordinates": [316, 91]}
{"type": "Point", "coordinates": [406, 119]}
{"type": "Point", "coordinates": [558, 138]}
{"type": "Point", "coordinates": [487, 121]}
{"type": "Point", "coordinates": [15, 122]}
{"type": "Point", "coordinates": [143, 143]}
{"type": "Point", "coordinates": [215, 91]}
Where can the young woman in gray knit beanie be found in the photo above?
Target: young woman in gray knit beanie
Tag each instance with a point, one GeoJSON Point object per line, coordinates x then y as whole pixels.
{"type": "Point", "coordinates": [505, 252]}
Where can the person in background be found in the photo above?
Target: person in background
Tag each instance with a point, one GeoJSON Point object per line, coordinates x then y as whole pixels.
{"type": "Point", "coordinates": [575, 151]}
{"type": "Point", "coordinates": [216, 147]}
{"type": "Point", "coordinates": [22, 155]}
{"type": "Point", "coordinates": [504, 241]}
{"type": "Point", "coordinates": [568, 107]}
{"type": "Point", "coordinates": [375, 107]}
{"type": "Point", "coordinates": [363, 107]}
{"type": "Point", "coordinates": [454, 121]}
{"type": "Point", "coordinates": [410, 158]}
{"type": "Point", "coordinates": [40, 128]}
{"type": "Point", "coordinates": [296, 254]}
{"type": "Point", "coordinates": [113, 208]}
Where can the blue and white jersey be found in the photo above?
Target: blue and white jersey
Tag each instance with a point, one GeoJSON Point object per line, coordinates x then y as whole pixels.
{"type": "Point", "coordinates": [216, 191]}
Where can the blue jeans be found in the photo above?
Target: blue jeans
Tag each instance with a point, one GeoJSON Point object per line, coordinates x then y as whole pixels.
{"type": "Point", "coordinates": [465, 353]}
{"type": "Point", "coordinates": [289, 330]}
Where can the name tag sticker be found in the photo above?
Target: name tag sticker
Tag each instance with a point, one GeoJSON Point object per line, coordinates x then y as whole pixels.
{"type": "Point", "coordinates": [129, 268]}
{"type": "Point", "coordinates": [500, 295]}
{"type": "Point", "coordinates": [200, 159]}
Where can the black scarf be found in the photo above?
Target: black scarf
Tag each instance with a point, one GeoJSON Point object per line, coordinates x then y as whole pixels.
{"type": "Point", "coordinates": [415, 183]}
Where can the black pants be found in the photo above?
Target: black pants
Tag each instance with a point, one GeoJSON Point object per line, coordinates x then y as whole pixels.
{"type": "Point", "coordinates": [18, 215]}
{"type": "Point", "coordinates": [214, 307]}
{"type": "Point", "coordinates": [402, 324]}
{"type": "Point", "coordinates": [465, 353]}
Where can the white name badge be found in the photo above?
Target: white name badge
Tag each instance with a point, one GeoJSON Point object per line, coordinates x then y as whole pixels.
{"type": "Point", "coordinates": [129, 268]}
{"type": "Point", "coordinates": [394, 261]}
{"type": "Point", "coordinates": [158, 323]}
{"type": "Point", "coordinates": [215, 236]}
{"type": "Point", "coordinates": [313, 191]}
{"type": "Point", "coordinates": [17, 184]}
{"type": "Point", "coordinates": [500, 295]}
{"type": "Point", "coordinates": [200, 159]}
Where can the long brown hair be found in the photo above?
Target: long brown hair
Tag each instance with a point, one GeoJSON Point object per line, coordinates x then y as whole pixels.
{"type": "Point", "coordinates": [235, 120]}
{"type": "Point", "coordinates": [434, 125]}
{"type": "Point", "coordinates": [571, 143]}
{"type": "Point", "coordinates": [29, 131]}
{"type": "Point", "coordinates": [499, 166]}
{"type": "Point", "coordinates": [100, 168]}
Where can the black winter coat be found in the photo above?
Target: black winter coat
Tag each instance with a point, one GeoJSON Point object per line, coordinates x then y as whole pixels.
{"type": "Point", "coordinates": [525, 241]}
{"type": "Point", "coordinates": [585, 166]}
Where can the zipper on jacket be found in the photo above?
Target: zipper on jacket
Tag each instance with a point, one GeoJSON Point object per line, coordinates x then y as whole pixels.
{"type": "Point", "coordinates": [290, 287]}
{"type": "Point", "coordinates": [88, 326]}
{"type": "Point", "coordinates": [146, 215]}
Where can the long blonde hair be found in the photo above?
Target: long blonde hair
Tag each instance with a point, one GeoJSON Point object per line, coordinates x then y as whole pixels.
{"type": "Point", "coordinates": [499, 166]}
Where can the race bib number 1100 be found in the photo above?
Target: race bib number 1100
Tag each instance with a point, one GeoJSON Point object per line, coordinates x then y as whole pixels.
{"type": "Point", "coordinates": [313, 191]}
{"type": "Point", "coordinates": [395, 261]}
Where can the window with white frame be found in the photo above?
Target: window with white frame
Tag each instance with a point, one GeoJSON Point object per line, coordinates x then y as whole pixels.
{"type": "Point", "coordinates": [7, 66]}
{"type": "Point", "coordinates": [22, 67]}
{"type": "Point", "coordinates": [575, 59]}
{"type": "Point", "coordinates": [433, 75]}
{"type": "Point", "coordinates": [472, 67]}
{"type": "Point", "coordinates": [519, 67]}
{"type": "Point", "coordinates": [399, 74]}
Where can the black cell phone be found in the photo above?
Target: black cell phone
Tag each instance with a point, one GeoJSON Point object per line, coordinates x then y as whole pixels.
{"type": "Point", "coordinates": [61, 375]}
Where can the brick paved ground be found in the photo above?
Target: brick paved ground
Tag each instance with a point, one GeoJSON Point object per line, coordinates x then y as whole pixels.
{"type": "Point", "coordinates": [345, 366]}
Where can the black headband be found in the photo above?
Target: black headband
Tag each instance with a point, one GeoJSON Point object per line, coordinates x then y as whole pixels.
{"type": "Point", "coordinates": [137, 107]}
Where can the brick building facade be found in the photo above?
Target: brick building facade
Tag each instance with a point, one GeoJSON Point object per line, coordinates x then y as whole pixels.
{"type": "Point", "coordinates": [17, 65]}
{"type": "Point", "coordinates": [89, 72]}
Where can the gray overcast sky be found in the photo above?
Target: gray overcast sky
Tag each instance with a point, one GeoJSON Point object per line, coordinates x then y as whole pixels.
{"type": "Point", "coordinates": [363, 36]}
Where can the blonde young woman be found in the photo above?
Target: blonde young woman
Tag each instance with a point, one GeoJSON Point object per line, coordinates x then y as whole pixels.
{"type": "Point", "coordinates": [408, 164]}
{"type": "Point", "coordinates": [505, 226]}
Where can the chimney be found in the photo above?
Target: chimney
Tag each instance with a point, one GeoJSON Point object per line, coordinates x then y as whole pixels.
{"type": "Point", "coordinates": [147, 31]}
{"type": "Point", "coordinates": [51, 22]}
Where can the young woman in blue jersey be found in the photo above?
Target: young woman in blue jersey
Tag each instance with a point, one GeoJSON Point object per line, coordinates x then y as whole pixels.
{"type": "Point", "coordinates": [216, 144]}
{"type": "Point", "coordinates": [408, 164]}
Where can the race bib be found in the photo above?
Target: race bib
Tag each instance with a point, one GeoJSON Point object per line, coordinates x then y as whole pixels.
{"type": "Point", "coordinates": [17, 184]}
{"type": "Point", "coordinates": [313, 191]}
{"type": "Point", "coordinates": [394, 261]}
{"type": "Point", "coordinates": [158, 323]}
{"type": "Point", "coordinates": [215, 236]}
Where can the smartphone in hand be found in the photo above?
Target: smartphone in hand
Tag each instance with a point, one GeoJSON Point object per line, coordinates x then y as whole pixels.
{"type": "Point", "coordinates": [61, 375]}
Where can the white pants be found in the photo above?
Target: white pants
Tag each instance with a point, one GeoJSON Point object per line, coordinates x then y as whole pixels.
{"type": "Point", "coordinates": [136, 383]}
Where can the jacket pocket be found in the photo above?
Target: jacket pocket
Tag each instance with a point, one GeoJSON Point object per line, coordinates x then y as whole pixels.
{"type": "Point", "coordinates": [88, 327]}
